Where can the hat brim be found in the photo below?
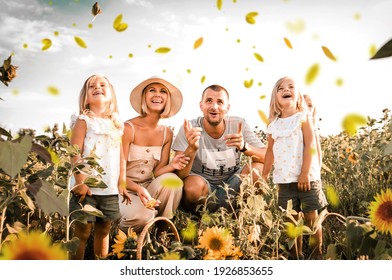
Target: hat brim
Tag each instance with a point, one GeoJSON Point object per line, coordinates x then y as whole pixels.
{"type": "Point", "coordinates": [175, 95]}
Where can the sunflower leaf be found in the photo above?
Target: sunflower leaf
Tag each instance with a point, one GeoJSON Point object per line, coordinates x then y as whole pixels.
{"type": "Point", "coordinates": [14, 155]}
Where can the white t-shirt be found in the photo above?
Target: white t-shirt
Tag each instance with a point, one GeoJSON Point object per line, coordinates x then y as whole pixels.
{"type": "Point", "coordinates": [214, 160]}
{"type": "Point", "coordinates": [288, 149]}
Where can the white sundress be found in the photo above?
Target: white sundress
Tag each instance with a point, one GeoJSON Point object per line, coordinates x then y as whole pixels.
{"type": "Point", "coordinates": [288, 149]}
{"type": "Point", "coordinates": [105, 137]}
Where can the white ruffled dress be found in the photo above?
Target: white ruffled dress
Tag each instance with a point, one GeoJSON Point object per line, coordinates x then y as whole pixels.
{"type": "Point", "coordinates": [288, 149]}
{"type": "Point", "coordinates": [106, 138]}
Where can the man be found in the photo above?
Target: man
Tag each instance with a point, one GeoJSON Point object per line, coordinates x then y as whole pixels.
{"type": "Point", "coordinates": [213, 144]}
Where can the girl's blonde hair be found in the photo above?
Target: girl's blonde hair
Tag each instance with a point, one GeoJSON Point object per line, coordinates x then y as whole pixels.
{"type": "Point", "coordinates": [111, 108]}
{"type": "Point", "coordinates": [275, 109]}
{"type": "Point", "coordinates": [166, 111]}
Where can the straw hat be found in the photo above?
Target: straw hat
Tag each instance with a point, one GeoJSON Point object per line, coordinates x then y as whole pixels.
{"type": "Point", "coordinates": [175, 95]}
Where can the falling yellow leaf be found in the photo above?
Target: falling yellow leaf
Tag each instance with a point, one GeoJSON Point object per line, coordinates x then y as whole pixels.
{"type": "Point", "coordinates": [47, 43]}
{"type": "Point", "coordinates": [162, 50]}
{"type": "Point", "coordinates": [332, 196]}
{"type": "Point", "coordinates": [296, 27]}
{"type": "Point", "coordinates": [249, 83]}
{"type": "Point", "coordinates": [172, 183]}
{"type": "Point", "coordinates": [263, 116]}
{"type": "Point", "coordinates": [130, 55]}
{"type": "Point", "coordinates": [25, 46]}
{"type": "Point", "coordinates": [118, 25]}
{"type": "Point", "coordinates": [188, 71]}
{"type": "Point", "coordinates": [357, 16]}
{"type": "Point", "coordinates": [53, 90]}
{"type": "Point", "coordinates": [219, 4]}
{"type": "Point", "coordinates": [339, 82]}
{"type": "Point", "coordinates": [90, 25]}
{"type": "Point", "coordinates": [328, 53]}
{"type": "Point", "coordinates": [263, 97]}
{"type": "Point", "coordinates": [198, 43]}
{"type": "Point", "coordinates": [250, 17]}
{"type": "Point", "coordinates": [203, 79]}
{"type": "Point", "coordinates": [288, 43]}
{"type": "Point", "coordinates": [312, 73]}
{"type": "Point", "coordinates": [258, 57]}
{"type": "Point", "coordinates": [80, 42]}
{"type": "Point", "coordinates": [352, 122]}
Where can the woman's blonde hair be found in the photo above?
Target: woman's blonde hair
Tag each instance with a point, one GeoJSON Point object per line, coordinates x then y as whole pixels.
{"type": "Point", "coordinates": [111, 108]}
{"type": "Point", "coordinates": [166, 111]}
{"type": "Point", "coordinates": [275, 109]}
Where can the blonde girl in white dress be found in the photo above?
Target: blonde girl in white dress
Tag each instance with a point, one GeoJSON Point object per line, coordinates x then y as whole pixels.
{"type": "Point", "coordinates": [291, 151]}
{"type": "Point", "coordinates": [97, 128]}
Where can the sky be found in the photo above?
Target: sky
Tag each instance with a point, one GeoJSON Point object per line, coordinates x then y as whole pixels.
{"type": "Point", "coordinates": [208, 43]}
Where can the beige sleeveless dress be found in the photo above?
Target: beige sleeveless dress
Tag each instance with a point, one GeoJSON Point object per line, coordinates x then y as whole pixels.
{"type": "Point", "coordinates": [141, 161]}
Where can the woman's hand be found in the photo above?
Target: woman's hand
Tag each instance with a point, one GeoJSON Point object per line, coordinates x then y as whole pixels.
{"type": "Point", "coordinates": [179, 162]}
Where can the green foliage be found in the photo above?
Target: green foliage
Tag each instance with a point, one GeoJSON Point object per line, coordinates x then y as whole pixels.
{"type": "Point", "coordinates": [35, 188]}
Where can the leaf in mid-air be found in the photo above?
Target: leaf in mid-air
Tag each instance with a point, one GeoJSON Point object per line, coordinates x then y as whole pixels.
{"type": "Point", "coordinates": [250, 17]}
{"type": "Point", "coordinates": [384, 51]}
{"type": "Point", "coordinates": [328, 53]}
{"type": "Point", "coordinates": [198, 43]}
{"type": "Point", "coordinates": [80, 42]}
{"type": "Point", "coordinates": [162, 50]}
{"type": "Point", "coordinates": [96, 10]}
{"type": "Point", "coordinates": [312, 73]}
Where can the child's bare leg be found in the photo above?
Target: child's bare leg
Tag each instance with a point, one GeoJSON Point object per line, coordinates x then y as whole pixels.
{"type": "Point", "coordinates": [82, 232]}
{"type": "Point", "coordinates": [101, 238]}
{"type": "Point", "coordinates": [316, 240]}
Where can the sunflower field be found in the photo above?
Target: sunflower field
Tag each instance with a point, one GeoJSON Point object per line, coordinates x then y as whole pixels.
{"type": "Point", "coordinates": [35, 172]}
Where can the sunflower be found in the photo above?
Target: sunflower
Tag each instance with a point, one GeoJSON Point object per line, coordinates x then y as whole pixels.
{"type": "Point", "coordinates": [353, 158]}
{"type": "Point", "coordinates": [124, 241]}
{"type": "Point", "coordinates": [33, 245]}
{"type": "Point", "coordinates": [380, 211]}
{"type": "Point", "coordinates": [217, 241]}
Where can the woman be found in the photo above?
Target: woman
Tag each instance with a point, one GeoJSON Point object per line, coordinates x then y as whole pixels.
{"type": "Point", "coordinates": [154, 188]}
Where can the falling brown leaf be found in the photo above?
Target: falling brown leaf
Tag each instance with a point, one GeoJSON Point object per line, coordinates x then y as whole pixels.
{"type": "Point", "coordinates": [162, 50]}
{"type": "Point", "coordinates": [250, 17]}
{"type": "Point", "coordinates": [46, 44]}
{"type": "Point", "coordinates": [328, 53]}
{"type": "Point", "coordinates": [80, 42]}
{"type": "Point", "coordinates": [288, 43]}
{"type": "Point", "coordinates": [198, 43]}
{"type": "Point", "coordinates": [312, 73]}
{"type": "Point", "coordinates": [7, 71]}
{"type": "Point", "coordinates": [96, 10]}
{"type": "Point", "coordinates": [118, 25]}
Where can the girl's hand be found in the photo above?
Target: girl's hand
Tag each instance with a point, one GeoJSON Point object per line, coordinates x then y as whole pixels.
{"type": "Point", "coordinates": [304, 182]}
{"type": "Point", "coordinates": [125, 195]}
{"type": "Point", "coordinates": [179, 162]}
{"type": "Point", "coordinates": [81, 190]}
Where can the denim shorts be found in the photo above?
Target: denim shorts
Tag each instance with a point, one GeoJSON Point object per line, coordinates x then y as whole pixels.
{"type": "Point", "coordinates": [107, 204]}
{"type": "Point", "coordinates": [221, 195]}
{"type": "Point", "coordinates": [302, 201]}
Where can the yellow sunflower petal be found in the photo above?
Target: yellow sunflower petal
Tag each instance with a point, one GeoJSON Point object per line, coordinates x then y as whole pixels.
{"type": "Point", "coordinates": [258, 57]}
{"type": "Point", "coordinates": [352, 122]}
{"type": "Point", "coordinates": [163, 50]}
{"type": "Point", "coordinates": [46, 44]}
{"type": "Point", "coordinates": [250, 17]}
{"type": "Point", "coordinates": [198, 43]}
{"type": "Point", "coordinates": [263, 116]}
{"type": "Point", "coordinates": [288, 43]}
{"type": "Point", "coordinates": [312, 74]}
{"type": "Point", "coordinates": [80, 42]}
{"type": "Point", "coordinates": [328, 53]}
{"type": "Point", "coordinates": [249, 83]}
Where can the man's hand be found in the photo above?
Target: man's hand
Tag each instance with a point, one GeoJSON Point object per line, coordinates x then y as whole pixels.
{"type": "Point", "coordinates": [192, 135]}
{"type": "Point", "coordinates": [236, 139]}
